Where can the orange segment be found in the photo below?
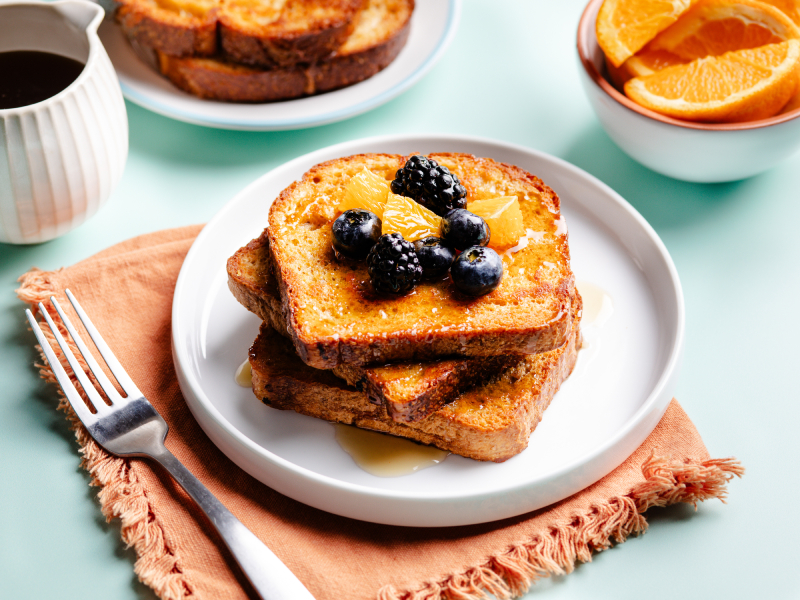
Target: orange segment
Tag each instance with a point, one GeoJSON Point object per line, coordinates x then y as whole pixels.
{"type": "Point", "coordinates": [365, 190]}
{"type": "Point", "coordinates": [645, 62]}
{"type": "Point", "coordinates": [792, 104]}
{"type": "Point", "coordinates": [791, 8]}
{"type": "Point", "coordinates": [625, 26]}
{"type": "Point", "coordinates": [411, 219]}
{"type": "Point", "coordinates": [713, 27]}
{"type": "Point", "coordinates": [737, 86]}
{"type": "Point", "coordinates": [504, 218]}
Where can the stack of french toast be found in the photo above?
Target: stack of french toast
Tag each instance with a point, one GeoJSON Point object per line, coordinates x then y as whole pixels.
{"type": "Point", "coordinates": [470, 374]}
{"type": "Point", "coordinates": [266, 50]}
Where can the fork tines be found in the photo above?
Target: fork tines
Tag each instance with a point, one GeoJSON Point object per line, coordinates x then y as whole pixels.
{"type": "Point", "coordinates": [63, 378]}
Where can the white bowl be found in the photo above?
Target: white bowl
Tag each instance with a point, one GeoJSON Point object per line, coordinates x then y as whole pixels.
{"type": "Point", "coordinates": [690, 151]}
{"type": "Point", "coordinates": [60, 158]}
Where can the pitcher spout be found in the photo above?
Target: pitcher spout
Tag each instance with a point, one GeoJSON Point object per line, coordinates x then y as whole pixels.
{"type": "Point", "coordinates": [86, 16]}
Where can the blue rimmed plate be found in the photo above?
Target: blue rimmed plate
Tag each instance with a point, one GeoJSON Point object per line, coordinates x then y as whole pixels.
{"type": "Point", "coordinates": [433, 27]}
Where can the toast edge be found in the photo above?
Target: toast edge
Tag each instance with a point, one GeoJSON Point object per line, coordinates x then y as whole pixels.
{"type": "Point", "coordinates": [236, 83]}
{"type": "Point", "coordinates": [320, 394]}
{"type": "Point", "coordinates": [178, 37]}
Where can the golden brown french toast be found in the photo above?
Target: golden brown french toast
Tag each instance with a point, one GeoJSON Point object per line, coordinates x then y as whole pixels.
{"type": "Point", "coordinates": [266, 33]}
{"type": "Point", "coordinates": [284, 33]}
{"type": "Point", "coordinates": [334, 316]}
{"type": "Point", "coordinates": [409, 391]}
{"type": "Point", "coordinates": [491, 422]}
{"type": "Point", "coordinates": [176, 27]}
{"type": "Point", "coordinates": [380, 32]}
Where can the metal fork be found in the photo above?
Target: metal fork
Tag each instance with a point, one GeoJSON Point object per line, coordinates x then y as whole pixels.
{"type": "Point", "coordinates": [132, 427]}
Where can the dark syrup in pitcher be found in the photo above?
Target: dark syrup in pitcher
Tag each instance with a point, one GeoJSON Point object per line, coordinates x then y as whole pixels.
{"type": "Point", "coordinates": [29, 76]}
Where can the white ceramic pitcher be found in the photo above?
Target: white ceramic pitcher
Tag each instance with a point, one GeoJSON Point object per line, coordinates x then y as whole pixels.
{"type": "Point", "coordinates": [60, 158]}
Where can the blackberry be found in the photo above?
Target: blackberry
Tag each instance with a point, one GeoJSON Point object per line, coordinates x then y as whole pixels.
{"type": "Point", "coordinates": [393, 265]}
{"type": "Point", "coordinates": [430, 184]}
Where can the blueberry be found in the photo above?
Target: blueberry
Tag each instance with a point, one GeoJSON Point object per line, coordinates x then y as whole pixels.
{"type": "Point", "coordinates": [355, 232]}
{"type": "Point", "coordinates": [462, 229]}
{"type": "Point", "coordinates": [434, 256]}
{"type": "Point", "coordinates": [477, 271]}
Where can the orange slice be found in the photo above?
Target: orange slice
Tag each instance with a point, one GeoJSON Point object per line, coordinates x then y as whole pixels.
{"type": "Point", "coordinates": [792, 104]}
{"type": "Point", "coordinates": [411, 219]}
{"type": "Point", "coordinates": [791, 8]}
{"type": "Point", "coordinates": [645, 62]}
{"type": "Point", "coordinates": [708, 28]}
{"type": "Point", "coordinates": [625, 26]}
{"type": "Point", "coordinates": [365, 190]}
{"type": "Point", "coordinates": [714, 27]}
{"type": "Point", "coordinates": [504, 218]}
{"type": "Point", "coordinates": [738, 86]}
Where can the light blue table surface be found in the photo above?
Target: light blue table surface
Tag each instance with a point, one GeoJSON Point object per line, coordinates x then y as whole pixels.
{"type": "Point", "coordinates": [510, 74]}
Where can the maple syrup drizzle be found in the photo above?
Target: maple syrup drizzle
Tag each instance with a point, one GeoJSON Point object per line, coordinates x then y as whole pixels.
{"type": "Point", "coordinates": [244, 375]}
{"type": "Point", "coordinates": [597, 310]}
{"type": "Point", "coordinates": [386, 455]}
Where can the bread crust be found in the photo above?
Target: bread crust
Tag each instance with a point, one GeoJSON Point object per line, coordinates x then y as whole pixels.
{"type": "Point", "coordinates": [409, 391]}
{"type": "Point", "coordinates": [412, 391]}
{"type": "Point", "coordinates": [168, 32]}
{"type": "Point", "coordinates": [524, 315]}
{"type": "Point", "coordinates": [300, 31]}
{"type": "Point", "coordinates": [216, 79]}
{"type": "Point", "coordinates": [491, 422]}
{"type": "Point", "coordinates": [309, 31]}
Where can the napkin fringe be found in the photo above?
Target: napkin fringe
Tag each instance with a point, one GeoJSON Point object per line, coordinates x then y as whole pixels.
{"type": "Point", "coordinates": [121, 493]}
{"type": "Point", "coordinates": [511, 574]}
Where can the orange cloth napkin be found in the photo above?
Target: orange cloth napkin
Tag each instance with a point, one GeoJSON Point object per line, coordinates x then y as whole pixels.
{"type": "Point", "coordinates": [127, 290]}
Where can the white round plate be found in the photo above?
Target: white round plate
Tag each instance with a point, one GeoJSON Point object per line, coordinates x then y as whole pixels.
{"type": "Point", "coordinates": [433, 26]}
{"type": "Point", "coordinates": [619, 390]}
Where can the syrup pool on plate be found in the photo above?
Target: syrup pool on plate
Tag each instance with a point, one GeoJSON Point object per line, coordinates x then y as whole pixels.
{"type": "Point", "coordinates": [244, 374]}
{"type": "Point", "coordinates": [598, 308]}
{"type": "Point", "coordinates": [386, 455]}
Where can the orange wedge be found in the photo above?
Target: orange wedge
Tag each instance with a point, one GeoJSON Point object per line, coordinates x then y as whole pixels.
{"type": "Point", "coordinates": [625, 26]}
{"type": "Point", "coordinates": [737, 86]}
{"type": "Point", "coordinates": [412, 220]}
{"type": "Point", "coordinates": [714, 27]}
{"type": "Point", "coordinates": [645, 62]}
{"type": "Point", "coordinates": [366, 190]}
{"type": "Point", "coordinates": [709, 28]}
{"type": "Point", "coordinates": [504, 218]}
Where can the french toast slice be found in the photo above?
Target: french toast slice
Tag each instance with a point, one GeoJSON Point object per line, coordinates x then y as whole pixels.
{"type": "Point", "coordinates": [334, 316]}
{"type": "Point", "coordinates": [284, 33]}
{"type": "Point", "coordinates": [490, 422]}
{"type": "Point", "coordinates": [266, 33]}
{"type": "Point", "coordinates": [410, 391]}
{"type": "Point", "coordinates": [380, 32]}
{"type": "Point", "coordinates": [176, 27]}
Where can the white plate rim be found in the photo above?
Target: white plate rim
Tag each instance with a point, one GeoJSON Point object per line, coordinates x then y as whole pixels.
{"type": "Point", "coordinates": [359, 106]}
{"type": "Point", "coordinates": [650, 410]}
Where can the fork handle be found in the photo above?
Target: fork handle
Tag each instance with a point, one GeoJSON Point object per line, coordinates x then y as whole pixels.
{"type": "Point", "coordinates": [271, 579]}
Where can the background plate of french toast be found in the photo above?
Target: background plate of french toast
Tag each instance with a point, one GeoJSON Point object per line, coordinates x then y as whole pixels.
{"type": "Point", "coordinates": [222, 63]}
{"type": "Point", "coordinates": [543, 385]}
